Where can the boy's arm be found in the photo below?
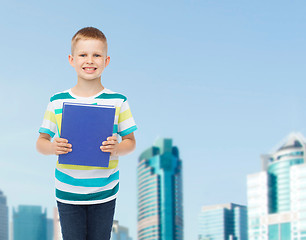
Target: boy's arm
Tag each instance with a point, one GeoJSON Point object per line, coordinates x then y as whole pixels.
{"type": "Point", "coordinates": [58, 146]}
{"type": "Point", "coordinates": [127, 145]}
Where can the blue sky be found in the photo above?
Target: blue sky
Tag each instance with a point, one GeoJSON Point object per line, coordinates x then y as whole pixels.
{"type": "Point", "coordinates": [224, 79]}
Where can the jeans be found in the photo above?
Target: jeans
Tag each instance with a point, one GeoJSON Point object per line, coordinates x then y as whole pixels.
{"type": "Point", "coordinates": [86, 222]}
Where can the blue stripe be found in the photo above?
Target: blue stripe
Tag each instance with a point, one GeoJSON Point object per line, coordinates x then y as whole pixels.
{"type": "Point", "coordinates": [88, 182]}
{"type": "Point", "coordinates": [45, 130]}
{"type": "Point", "coordinates": [115, 129]}
{"type": "Point", "coordinates": [128, 131]}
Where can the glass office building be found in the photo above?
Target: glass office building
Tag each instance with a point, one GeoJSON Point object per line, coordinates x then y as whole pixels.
{"type": "Point", "coordinates": [277, 194]}
{"type": "Point", "coordinates": [119, 232]}
{"type": "Point", "coordinates": [30, 223]}
{"type": "Point", "coordinates": [223, 222]}
{"type": "Point", "coordinates": [160, 194]}
{"type": "Point", "coordinates": [4, 219]}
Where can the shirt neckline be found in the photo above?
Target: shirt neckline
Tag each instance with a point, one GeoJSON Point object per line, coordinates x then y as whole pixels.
{"type": "Point", "coordinates": [91, 97]}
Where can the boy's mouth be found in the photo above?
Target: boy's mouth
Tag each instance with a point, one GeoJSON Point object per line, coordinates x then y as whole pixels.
{"type": "Point", "coordinates": [89, 69]}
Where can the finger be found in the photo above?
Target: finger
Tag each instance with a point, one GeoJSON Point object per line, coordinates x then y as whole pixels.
{"type": "Point", "coordinates": [111, 142]}
{"type": "Point", "coordinates": [63, 149]}
{"type": "Point", "coordinates": [106, 148]}
{"type": "Point", "coordinates": [64, 145]}
{"type": "Point", "coordinates": [60, 152]}
{"type": "Point", "coordinates": [62, 140]}
{"type": "Point", "coordinates": [112, 138]}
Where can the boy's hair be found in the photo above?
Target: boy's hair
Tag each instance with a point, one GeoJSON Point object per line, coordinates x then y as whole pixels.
{"type": "Point", "coordinates": [88, 33]}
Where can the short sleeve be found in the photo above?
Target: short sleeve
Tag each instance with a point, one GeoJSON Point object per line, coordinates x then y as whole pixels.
{"type": "Point", "coordinates": [126, 123]}
{"type": "Point", "coordinates": [49, 122]}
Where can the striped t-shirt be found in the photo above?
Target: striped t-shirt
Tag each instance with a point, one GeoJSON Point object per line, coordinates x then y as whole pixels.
{"type": "Point", "coordinates": [86, 184]}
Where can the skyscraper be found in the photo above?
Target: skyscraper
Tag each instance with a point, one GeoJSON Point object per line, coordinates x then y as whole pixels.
{"type": "Point", "coordinates": [160, 193]}
{"type": "Point", "coordinates": [119, 232]}
{"type": "Point", "coordinates": [277, 194]}
{"type": "Point", "coordinates": [4, 221]}
{"type": "Point", "coordinates": [50, 229]}
{"type": "Point", "coordinates": [30, 223]}
{"type": "Point", "coordinates": [223, 222]}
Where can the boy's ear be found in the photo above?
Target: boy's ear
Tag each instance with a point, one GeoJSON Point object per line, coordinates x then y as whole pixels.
{"type": "Point", "coordinates": [107, 60]}
{"type": "Point", "coordinates": [70, 59]}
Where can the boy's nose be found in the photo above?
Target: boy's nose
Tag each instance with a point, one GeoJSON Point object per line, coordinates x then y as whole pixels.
{"type": "Point", "coordinates": [89, 59]}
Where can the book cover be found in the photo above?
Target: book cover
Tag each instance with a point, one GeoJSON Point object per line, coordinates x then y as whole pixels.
{"type": "Point", "coordinates": [86, 126]}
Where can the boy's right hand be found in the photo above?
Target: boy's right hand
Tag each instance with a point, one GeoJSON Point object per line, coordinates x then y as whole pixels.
{"type": "Point", "coordinates": [61, 146]}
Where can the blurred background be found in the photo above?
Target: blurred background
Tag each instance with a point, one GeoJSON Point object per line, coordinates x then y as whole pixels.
{"type": "Point", "coordinates": [225, 80]}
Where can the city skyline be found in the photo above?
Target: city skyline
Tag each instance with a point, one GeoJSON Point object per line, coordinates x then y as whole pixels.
{"type": "Point", "coordinates": [292, 148]}
{"type": "Point", "coordinates": [224, 80]}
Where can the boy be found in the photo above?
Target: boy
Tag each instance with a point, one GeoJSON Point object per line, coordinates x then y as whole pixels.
{"type": "Point", "coordinates": [86, 195]}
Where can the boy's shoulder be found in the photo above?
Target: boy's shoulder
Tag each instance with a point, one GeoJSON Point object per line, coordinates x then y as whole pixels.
{"type": "Point", "coordinates": [61, 95]}
{"type": "Point", "coordinates": [109, 94]}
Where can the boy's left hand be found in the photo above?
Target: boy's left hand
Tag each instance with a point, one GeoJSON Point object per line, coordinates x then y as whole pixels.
{"type": "Point", "coordinates": [110, 145]}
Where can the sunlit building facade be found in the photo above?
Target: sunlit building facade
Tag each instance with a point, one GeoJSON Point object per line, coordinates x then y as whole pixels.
{"type": "Point", "coordinates": [277, 194]}
{"type": "Point", "coordinates": [223, 222]}
{"type": "Point", "coordinates": [160, 193]}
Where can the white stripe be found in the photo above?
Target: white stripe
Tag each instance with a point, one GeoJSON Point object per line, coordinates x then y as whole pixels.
{"type": "Point", "coordinates": [83, 190]}
{"type": "Point", "coordinates": [112, 101]}
{"type": "Point", "coordinates": [124, 106]}
{"type": "Point", "coordinates": [49, 125]}
{"type": "Point", "coordinates": [126, 124]}
{"type": "Point", "coordinates": [87, 174]}
{"type": "Point", "coordinates": [89, 202]}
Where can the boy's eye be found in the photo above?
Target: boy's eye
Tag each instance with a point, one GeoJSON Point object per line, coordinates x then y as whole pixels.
{"type": "Point", "coordinates": [82, 55]}
{"type": "Point", "coordinates": [97, 55]}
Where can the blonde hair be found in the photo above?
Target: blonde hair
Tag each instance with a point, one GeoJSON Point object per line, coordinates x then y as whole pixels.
{"type": "Point", "coordinates": [88, 33]}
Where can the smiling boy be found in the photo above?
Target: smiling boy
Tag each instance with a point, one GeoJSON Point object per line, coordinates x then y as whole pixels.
{"type": "Point", "coordinates": [86, 195]}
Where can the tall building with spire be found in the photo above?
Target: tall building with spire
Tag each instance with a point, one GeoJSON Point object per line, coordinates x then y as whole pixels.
{"type": "Point", "coordinates": [160, 193]}
{"type": "Point", "coordinates": [4, 219]}
{"type": "Point", "coordinates": [277, 194]}
{"type": "Point", "coordinates": [29, 223]}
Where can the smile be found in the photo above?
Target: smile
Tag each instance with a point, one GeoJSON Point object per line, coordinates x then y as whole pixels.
{"type": "Point", "coordinates": [89, 68]}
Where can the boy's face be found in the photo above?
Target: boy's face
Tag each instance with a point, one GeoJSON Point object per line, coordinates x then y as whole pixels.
{"type": "Point", "coordinates": [89, 59]}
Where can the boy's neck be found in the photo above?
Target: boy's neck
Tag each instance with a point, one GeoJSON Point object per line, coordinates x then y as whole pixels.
{"type": "Point", "coordinates": [87, 88]}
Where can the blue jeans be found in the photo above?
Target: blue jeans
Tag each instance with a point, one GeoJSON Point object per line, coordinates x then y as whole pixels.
{"type": "Point", "coordinates": [86, 222]}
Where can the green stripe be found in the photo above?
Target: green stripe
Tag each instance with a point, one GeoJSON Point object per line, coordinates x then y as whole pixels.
{"type": "Point", "coordinates": [65, 95]}
{"type": "Point", "coordinates": [111, 96]}
{"type": "Point", "coordinates": [45, 130]}
{"type": "Point", "coordinates": [86, 197]}
{"type": "Point", "coordinates": [88, 182]}
{"type": "Point", "coordinates": [58, 111]}
{"type": "Point", "coordinates": [128, 131]}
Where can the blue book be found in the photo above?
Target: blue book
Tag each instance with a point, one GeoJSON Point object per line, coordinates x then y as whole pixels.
{"type": "Point", "coordinates": [86, 126]}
